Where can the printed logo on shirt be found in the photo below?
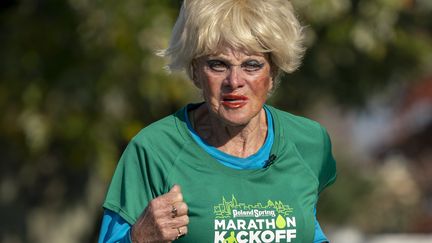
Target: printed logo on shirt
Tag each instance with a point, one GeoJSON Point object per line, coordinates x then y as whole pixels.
{"type": "Point", "coordinates": [237, 222]}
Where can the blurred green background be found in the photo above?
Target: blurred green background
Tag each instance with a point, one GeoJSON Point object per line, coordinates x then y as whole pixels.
{"type": "Point", "coordinates": [79, 78]}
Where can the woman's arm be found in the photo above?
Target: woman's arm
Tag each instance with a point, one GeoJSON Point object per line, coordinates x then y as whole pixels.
{"type": "Point", "coordinates": [164, 219]}
{"type": "Point", "coordinates": [319, 234]}
{"type": "Point", "coordinates": [114, 228]}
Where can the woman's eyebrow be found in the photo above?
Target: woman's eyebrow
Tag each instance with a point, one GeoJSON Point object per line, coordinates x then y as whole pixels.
{"type": "Point", "coordinates": [218, 57]}
{"type": "Point", "coordinates": [246, 59]}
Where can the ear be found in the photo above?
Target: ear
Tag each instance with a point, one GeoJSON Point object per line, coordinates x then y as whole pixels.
{"type": "Point", "coordinates": [274, 71]}
{"type": "Point", "coordinates": [270, 87]}
{"type": "Point", "coordinates": [271, 83]}
{"type": "Point", "coordinates": [275, 77]}
{"type": "Point", "coordinates": [195, 74]}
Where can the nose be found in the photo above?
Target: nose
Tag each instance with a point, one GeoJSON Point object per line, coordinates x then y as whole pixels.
{"type": "Point", "coordinates": [234, 78]}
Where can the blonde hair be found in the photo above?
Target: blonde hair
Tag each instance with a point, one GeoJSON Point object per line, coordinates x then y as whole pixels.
{"type": "Point", "coordinates": [210, 26]}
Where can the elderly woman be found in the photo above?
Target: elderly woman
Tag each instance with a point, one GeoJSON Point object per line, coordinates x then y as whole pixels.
{"type": "Point", "coordinates": [229, 169]}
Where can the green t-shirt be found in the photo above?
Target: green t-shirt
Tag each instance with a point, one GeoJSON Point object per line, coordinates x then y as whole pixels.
{"type": "Point", "coordinates": [272, 204]}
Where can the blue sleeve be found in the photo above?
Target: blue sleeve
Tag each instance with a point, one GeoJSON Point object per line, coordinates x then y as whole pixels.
{"type": "Point", "coordinates": [114, 229]}
{"type": "Point", "coordinates": [319, 234]}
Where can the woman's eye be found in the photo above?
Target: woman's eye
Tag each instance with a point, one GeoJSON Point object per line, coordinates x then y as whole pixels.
{"type": "Point", "coordinates": [251, 66]}
{"type": "Point", "coordinates": [217, 65]}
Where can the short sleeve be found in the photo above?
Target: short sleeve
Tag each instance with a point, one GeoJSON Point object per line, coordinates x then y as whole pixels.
{"type": "Point", "coordinates": [135, 182]}
{"type": "Point", "coordinates": [328, 174]}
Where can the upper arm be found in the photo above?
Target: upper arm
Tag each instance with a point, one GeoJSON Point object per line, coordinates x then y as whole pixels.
{"type": "Point", "coordinates": [327, 173]}
{"type": "Point", "coordinates": [136, 181]}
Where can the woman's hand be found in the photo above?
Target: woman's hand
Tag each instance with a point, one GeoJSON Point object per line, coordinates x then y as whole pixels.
{"type": "Point", "coordinates": [164, 220]}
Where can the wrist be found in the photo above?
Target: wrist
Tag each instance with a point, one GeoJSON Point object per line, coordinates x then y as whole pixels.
{"type": "Point", "coordinates": [134, 238]}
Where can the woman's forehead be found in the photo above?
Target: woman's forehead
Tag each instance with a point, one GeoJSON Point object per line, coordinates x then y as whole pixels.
{"type": "Point", "coordinates": [230, 53]}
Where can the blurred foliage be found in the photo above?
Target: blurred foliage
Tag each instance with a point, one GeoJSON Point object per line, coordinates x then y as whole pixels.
{"type": "Point", "coordinates": [357, 48]}
{"type": "Point", "coordinates": [352, 183]}
{"type": "Point", "coordinates": [78, 79]}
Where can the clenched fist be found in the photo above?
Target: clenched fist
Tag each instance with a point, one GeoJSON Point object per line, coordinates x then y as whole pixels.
{"type": "Point", "coordinates": [164, 220]}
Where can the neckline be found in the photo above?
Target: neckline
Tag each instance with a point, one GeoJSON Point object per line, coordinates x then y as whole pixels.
{"type": "Point", "coordinates": [212, 162]}
{"type": "Point", "coordinates": [254, 161]}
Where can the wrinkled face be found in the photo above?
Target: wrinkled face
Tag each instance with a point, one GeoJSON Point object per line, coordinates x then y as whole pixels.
{"type": "Point", "coordinates": [235, 84]}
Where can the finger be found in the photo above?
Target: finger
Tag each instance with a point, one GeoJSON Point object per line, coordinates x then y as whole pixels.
{"type": "Point", "coordinates": [178, 232]}
{"type": "Point", "coordinates": [181, 208]}
{"type": "Point", "coordinates": [179, 222]}
{"type": "Point", "coordinates": [182, 231]}
{"type": "Point", "coordinates": [174, 195]}
{"type": "Point", "coordinates": [175, 188]}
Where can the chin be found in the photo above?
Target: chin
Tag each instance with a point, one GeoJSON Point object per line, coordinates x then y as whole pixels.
{"type": "Point", "coordinates": [236, 120]}
{"type": "Point", "coordinates": [239, 117]}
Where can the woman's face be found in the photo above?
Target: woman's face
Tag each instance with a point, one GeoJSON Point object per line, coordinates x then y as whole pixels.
{"type": "Point", "coordinates": [235, 84]}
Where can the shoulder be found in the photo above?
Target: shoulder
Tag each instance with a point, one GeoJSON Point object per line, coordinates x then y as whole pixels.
{"type": "Point", "coordinates": [161, 132]}
{"type": "Point", "coordinates": [297, 126]}
{"type": "Point", "coordinates": [307, 135]}
{"type": "Point", "coordinates": [312, 142]}
{"type": "Point", "coordinates": [157, 145]}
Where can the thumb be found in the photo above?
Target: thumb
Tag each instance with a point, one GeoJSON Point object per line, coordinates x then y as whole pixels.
{"type": "Point", "coordinates": [175, 188]}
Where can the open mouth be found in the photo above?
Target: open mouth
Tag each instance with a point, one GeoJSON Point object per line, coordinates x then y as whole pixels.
{"type": "Point", "coordinates": [232, 97]}
{"type": "Point", "coordinates": [234, 101]}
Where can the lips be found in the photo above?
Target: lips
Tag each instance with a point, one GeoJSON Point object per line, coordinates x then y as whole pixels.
{"type": "Point", "coordinates": [233, 101]}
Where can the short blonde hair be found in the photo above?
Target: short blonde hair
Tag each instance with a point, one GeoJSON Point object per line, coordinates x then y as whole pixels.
{"type": "Point", "coordinates": [210, 26]}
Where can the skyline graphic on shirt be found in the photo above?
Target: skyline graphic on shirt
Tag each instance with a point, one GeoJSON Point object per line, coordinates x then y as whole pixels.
{"type": "Point", "coordinates": [224, 209]}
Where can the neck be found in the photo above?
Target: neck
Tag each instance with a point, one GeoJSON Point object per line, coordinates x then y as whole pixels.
{"type": "Point", "coordinates": [240, 141]}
